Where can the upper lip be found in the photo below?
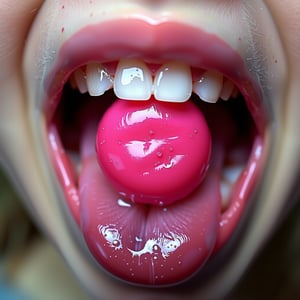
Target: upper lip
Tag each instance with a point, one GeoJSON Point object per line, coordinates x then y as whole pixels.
{"type": "Point", "coordinates": [166, 41]}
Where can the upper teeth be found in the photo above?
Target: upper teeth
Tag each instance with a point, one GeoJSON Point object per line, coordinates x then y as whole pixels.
{"type": "Point", "coordinates": [98, 80]}
{"type": "Point", "coordinates": [173, 82]}
{"type": "Point", "coordinates": [80, 81]}
{"type": "Point", "coordinates": [209, 86]}
{"type": "Point", "coordinates": [132, 80]}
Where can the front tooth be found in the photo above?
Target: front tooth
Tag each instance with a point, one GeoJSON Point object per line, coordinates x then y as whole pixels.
{"type": "Point", "coordinates": [209, 87]}
{"type": "Point", "coordinates": [80, 80]}
{"type": "Point", "coordinates": [133, 80]}
{"type": "Point", "coordinates": [173, 82]}
{"type": "Point", "coordinates": [98, 79]}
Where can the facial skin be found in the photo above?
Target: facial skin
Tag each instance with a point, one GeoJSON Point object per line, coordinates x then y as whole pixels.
{"type": "Point", "coordinates": [29, 41]}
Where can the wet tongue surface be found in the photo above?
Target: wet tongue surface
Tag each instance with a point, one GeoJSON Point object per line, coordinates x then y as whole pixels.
{"type": "Point", "coordinates": [146, 244]}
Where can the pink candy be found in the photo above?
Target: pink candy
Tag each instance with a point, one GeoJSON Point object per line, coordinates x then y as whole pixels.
{"type": "Point", "coordinates": [153, 152]}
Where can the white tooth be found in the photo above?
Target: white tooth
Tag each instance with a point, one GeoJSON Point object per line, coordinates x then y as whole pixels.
{"type": "Point", "coordinates": [209, 87]}
{"type": "Point", "coordinates": [225, 190]}
{"type": "Point", "coordinates": [73, 82]}
{"type": "Point", "coordinates": [133, 80]}
{"type": "Point", "coordinates": [98, 79]}
{"type": "Point", "coordinates": [227, 89]}
{"type": "Point", "coordinates": [232, 173]}
{"type": "Point", "coordinates": [173, 82]}
{"type": "Point", "coordinates": [80, 79]}
{"type": "Point", "coordinates": [235, 93]}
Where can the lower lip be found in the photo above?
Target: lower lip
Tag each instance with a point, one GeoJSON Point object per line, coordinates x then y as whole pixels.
{"type": "Point", "coordinates": [105, 233]}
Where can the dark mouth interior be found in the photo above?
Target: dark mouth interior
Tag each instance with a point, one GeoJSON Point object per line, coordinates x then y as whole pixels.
{"type": "Point", "coordinates": [231, 125]}
{"type": "Point", "coordinates": [75, 109]}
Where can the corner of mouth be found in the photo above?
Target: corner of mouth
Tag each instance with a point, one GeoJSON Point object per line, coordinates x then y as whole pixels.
{"type": "Point", "coordinates": [156, 44]}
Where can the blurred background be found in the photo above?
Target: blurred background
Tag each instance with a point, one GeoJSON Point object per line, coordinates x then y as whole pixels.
{"type": "Point", "coordinates": [31, 269]}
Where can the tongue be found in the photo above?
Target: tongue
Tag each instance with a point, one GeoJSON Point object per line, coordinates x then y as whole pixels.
{"type": "Point", "coordinates": [146, 244]}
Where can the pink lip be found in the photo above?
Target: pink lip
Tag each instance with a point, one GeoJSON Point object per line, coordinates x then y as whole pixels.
{"type": "Point", "coordinates": [112, 40]}
{"type": "Point", "coordinates": [108, 42]}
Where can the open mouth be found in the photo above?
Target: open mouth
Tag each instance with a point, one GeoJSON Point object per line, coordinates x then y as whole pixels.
{"type": "Point", "coordinates": [157, 141]}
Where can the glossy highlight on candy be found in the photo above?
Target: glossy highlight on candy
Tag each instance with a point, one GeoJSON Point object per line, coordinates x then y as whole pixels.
{"type": "Point", "coordinates": [153, 152]}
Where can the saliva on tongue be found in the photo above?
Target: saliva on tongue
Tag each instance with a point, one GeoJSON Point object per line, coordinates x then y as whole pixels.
{"type": "Point", "coordinates": [149, 204]}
